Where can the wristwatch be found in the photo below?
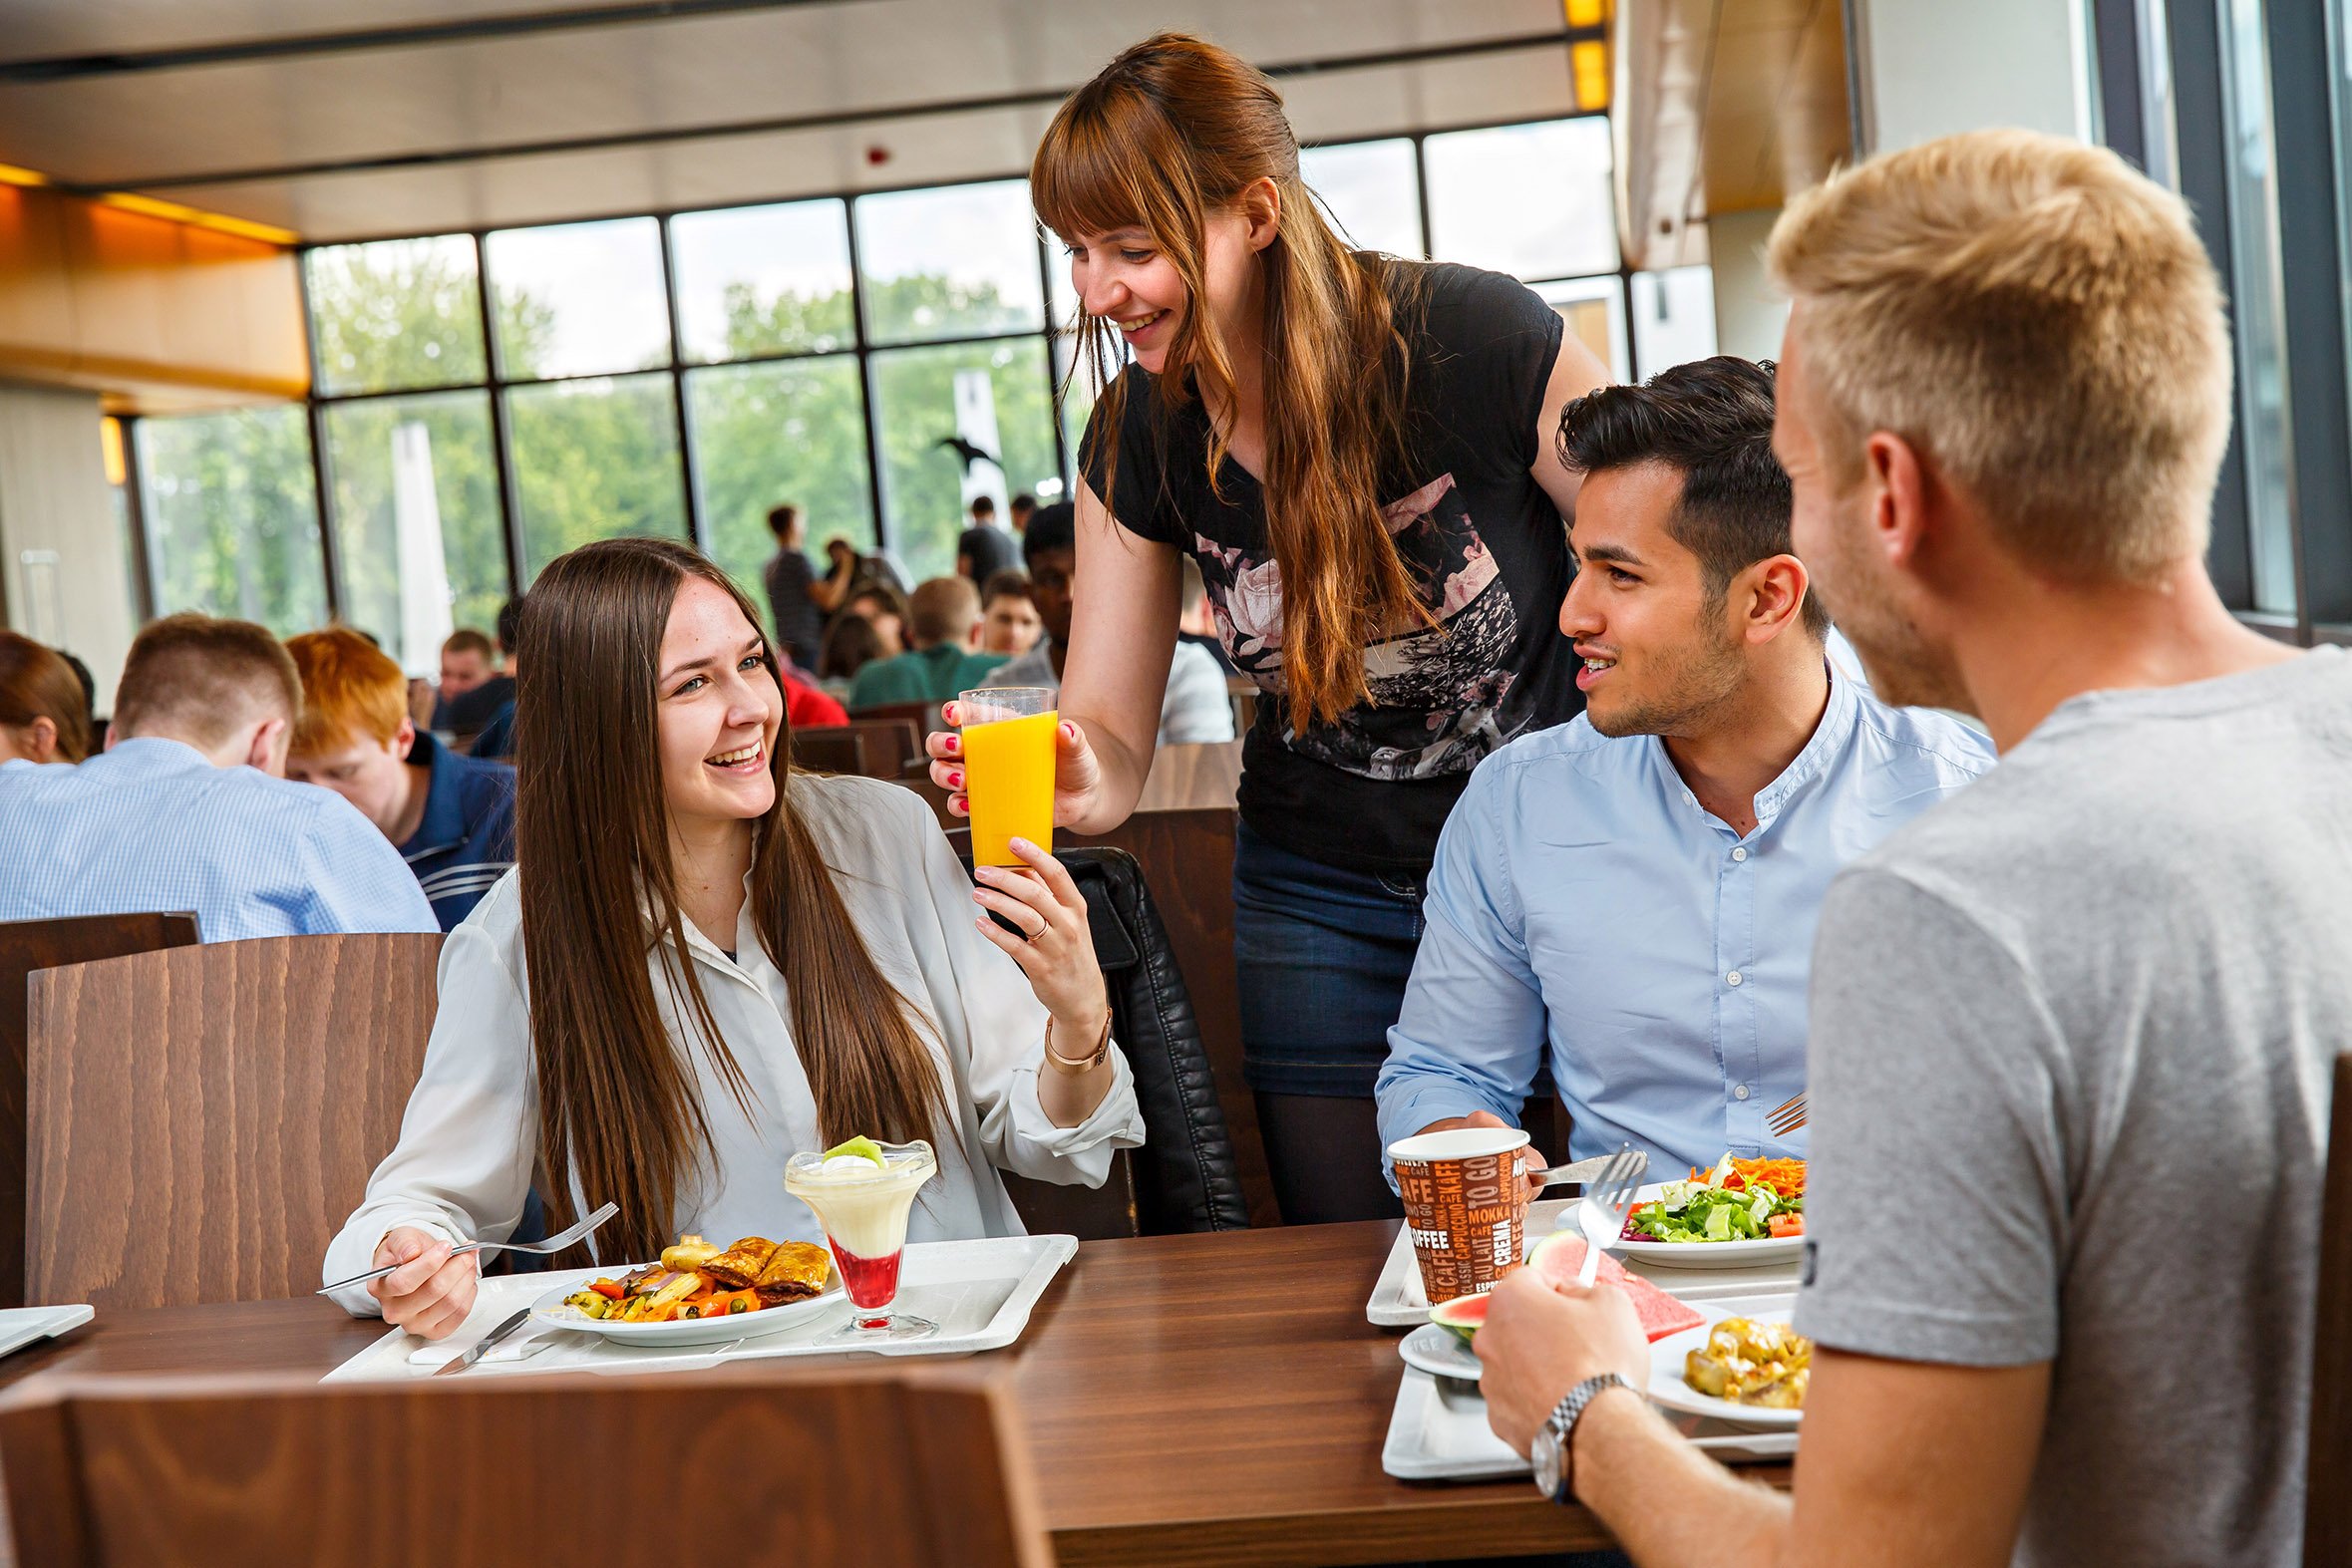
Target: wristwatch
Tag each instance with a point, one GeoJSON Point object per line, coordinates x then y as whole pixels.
{"type": "Point", "coordinates": [1550, 1448]}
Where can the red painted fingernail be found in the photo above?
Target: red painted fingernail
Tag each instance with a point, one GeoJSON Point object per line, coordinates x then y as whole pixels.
{"type": "Point", "coordinates": [955, 746]}
{"type": "Point", "coordinates": [955, 780]}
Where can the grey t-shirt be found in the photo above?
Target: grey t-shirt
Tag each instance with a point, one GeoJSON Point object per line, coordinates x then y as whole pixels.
{"type": "Point", "coordinates": [2070, 1047]}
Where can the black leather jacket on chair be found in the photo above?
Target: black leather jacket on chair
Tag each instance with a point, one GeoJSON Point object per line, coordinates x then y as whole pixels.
{"type": "Point", "coordinates": [1185, 1176]}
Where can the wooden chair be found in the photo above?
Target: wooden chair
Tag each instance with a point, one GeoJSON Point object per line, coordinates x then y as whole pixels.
{"type": "Point", "coordinates": [1241, 691]}
{"type": "Point", "coordinates": [202, 1120]}
{"type": "Point", "coordinates": [2327, 1506]}
{"type": "Point", "coordinates": [923, 715]}
{"type": "Point", "coordinates": [25, 946]}
{"type": "Point", "coordinates": [889, 1469]}
{"type": "Point", "coordinates": [869, 748]}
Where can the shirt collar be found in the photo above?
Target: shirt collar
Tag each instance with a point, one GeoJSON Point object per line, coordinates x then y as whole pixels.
{"type": "Point", "coordinates": [1829, 737]}
{"type": "Point", "coordinates": [158, 754]}
{"type": "Point", "coordinates": [444, 823]}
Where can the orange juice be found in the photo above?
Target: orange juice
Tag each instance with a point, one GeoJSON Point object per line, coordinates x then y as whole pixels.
{"type": "Point", "coordinates": [1009, 776]}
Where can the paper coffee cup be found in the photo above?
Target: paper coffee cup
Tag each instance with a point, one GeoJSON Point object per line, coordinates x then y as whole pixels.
{"type": "Point", "coordinates": [1465, 1206]}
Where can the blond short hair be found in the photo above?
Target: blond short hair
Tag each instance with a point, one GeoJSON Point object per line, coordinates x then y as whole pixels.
{"type": "Point", "coordinates": [2037, 319]}
{"type": "Point", "coordinates": [944, 610]}
{"type": "Point", "coordinates": [200, 680]}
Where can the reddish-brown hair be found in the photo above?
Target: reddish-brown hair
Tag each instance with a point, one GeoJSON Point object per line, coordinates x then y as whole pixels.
{"type": "Point", "coordinates": [351, 691]}
{"type": "Point", "coordinates": [618, 1105]}
{"type": "Point", "coordinates": [1170, 132]}
{"type": "Point", "coordinates": [37, 683]}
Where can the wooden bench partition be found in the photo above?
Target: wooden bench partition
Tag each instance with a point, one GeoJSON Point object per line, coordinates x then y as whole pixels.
{"type": "Point", "coordinates": [202, 1121]}
{"type": "Point", "coordinates": [869, 748]}
{"type": "Point", "coordinates": [888, 1468]}
{"type": "Point", "coordinates": [25, 946]}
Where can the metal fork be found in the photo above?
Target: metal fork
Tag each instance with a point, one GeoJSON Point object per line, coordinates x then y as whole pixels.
{"type": "Point", "coordinates": [1788, 1116]}
{"type": "Point", "coordinates": [1601, 1214]}
{"type": "Point", "coordinates": [542, 1248]}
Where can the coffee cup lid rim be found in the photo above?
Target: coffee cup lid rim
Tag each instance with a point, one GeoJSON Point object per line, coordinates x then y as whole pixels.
{"type": "Point", "coordinates": [1438, 1145]}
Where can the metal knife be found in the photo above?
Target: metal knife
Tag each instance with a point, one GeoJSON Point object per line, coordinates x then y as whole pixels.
{"type": "Point", "coordinates": [1583, 1171]}
{"type": "Point", "coordinates": [481, 1346]}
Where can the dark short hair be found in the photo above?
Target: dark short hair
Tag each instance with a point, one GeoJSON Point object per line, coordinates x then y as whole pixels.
{"type": "Point", "coordinates": [781, 518]}
{"type": "Point", "coordinates": [510, 625]}
{"type": "Point", "coordinates": [1711, 421]}
{"type": "Point", "coordinates": [983, 506]}
{"type": "Point", "coordinates": [1052, 527]}
{"type": "Point", "coordinates": [467, 640]}
{"type": "Point", "coordinates": [1010, 583]}
{"type": "Point", "coordinates": [1024, 503]}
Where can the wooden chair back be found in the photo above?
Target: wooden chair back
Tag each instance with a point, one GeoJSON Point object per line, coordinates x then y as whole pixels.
{"type": "Point", "coordinates": [737, 1465]}
{"type": "Point", "coordinates": [1241, 692]}
{"type": "Point", "coordinates": [25, 946]}
{"type": "Point", "coordinates": [923, 715]}
{"type": "Point", "coordinates": [869, 748]}
{"type": "Point", "coordinates": [2327, 1503]}
{"type": "Point", "coordinates": [202, 1120]}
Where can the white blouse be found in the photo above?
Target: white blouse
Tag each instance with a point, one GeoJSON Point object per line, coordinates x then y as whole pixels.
{"type": "Point", "coordinates": [469, 1136]}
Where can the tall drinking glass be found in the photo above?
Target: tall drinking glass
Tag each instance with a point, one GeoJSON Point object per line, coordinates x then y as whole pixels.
{"type": "Point", "coordinates": [861, 1199]}
{"type": "Point", "coordinates": [1008, 746]}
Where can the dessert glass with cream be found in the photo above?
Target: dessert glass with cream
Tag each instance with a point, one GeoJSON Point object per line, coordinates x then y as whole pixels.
{"type": "Point", "coordinates": [860, 1192]}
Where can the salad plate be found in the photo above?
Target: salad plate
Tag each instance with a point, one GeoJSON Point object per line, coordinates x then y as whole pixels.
{"type": "Point", "coordinates": [1701, 1254]}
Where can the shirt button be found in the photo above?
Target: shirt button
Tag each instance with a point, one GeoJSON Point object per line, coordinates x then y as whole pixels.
{"type": "Point", "coordinates": [1733, 978]}
{"type": "Point", "coordinates": [1740, 1093]}
{"type": "Point", "coordinates": [1739, 855]}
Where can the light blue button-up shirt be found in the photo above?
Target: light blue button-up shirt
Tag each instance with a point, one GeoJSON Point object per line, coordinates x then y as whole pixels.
{"type": "Point", "coordinates": [1585, 902]}
{"type": "Point", "coordinates": [152, 826]}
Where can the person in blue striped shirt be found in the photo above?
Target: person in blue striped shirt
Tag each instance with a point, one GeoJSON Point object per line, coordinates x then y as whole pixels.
{"type": "Point", "coordinates": [452, 817]}
{"type": "Point", "coordinates": [1630, 897]}
{"type": "Point", "coordinates": [188, 807]}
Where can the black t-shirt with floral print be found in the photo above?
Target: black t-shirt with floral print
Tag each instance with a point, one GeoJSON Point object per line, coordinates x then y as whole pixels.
{"type": "Point", "coordinates": [1479, 536]}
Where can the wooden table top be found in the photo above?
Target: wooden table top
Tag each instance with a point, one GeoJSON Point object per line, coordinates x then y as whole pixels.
{"type": "Point", "coordinates": [1189, 1400]}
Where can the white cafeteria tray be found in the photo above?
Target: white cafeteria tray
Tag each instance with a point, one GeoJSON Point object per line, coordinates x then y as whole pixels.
{"type": "Point", "coordinates": [979, 1293]}
{"type": "Point", "coordinates": [1439, 1432]}
{"type": "Point", "coordinates": [23, 1326]}
{"type": "Point", "coordinates": [1398, 1300]}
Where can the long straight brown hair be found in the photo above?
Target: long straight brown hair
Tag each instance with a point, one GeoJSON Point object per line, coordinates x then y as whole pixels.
{"type": "Point", "coordinates": [618, 1105]}
{"type": "Point", "coordinates": [1171, 132]}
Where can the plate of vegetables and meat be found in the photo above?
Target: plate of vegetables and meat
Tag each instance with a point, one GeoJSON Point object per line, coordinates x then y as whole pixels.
{"type": "Point", "coordinates": [698, 1294]}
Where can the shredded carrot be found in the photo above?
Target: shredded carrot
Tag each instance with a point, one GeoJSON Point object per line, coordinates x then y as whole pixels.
{"type": "Point", "coordinates": [1784, 1176]}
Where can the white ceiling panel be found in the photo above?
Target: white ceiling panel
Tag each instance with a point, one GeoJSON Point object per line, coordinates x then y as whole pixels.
{"type": "Point", "coordinates": [490, 130]}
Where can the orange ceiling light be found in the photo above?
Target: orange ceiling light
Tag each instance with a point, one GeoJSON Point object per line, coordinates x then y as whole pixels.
{"type": "Point", "coordinates": [150, 207]}
{"type": "Point", "coordinates": [1586, 13]}
{"type": "Point", "coordinates": [1589, 67]}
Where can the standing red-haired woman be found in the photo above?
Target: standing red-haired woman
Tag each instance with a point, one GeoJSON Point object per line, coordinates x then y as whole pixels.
{"type": "Point", "coordinates": [1358, 453]}
{"type": "Point", "coordinates": [705, 962]}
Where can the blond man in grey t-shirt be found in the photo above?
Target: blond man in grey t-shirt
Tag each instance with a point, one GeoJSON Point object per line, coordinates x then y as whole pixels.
{"type": "Point", "coordinates": [2070, 1032]}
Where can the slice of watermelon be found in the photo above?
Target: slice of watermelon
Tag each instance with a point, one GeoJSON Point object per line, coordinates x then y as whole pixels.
{"type": "Point", "coordinates": [1558, 1257]}
{"type": "Point", "coordinates": [1461, 1317]}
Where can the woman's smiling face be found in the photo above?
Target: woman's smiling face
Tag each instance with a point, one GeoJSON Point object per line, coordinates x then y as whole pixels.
{"type": "Point", "coordinates": [1126, 277]}
{"type": "Point", "coordinates": [718, 710]}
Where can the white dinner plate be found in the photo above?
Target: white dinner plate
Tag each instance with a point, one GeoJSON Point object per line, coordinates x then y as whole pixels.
{"type": "Point", "coordinates": [1706, 1254]}
{"type": "Point", "coordinates": [550, 1312]}
{"type": "Point", "coordinates": [1669, 1355]}
{"type": "Point", "coordinates": [1439, 1354]}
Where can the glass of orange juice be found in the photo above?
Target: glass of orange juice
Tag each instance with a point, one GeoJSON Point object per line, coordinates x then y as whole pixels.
{"type": "Point", "coordinates": [1008, 744]}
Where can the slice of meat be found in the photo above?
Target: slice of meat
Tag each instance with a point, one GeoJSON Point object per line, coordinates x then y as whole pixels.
{"type": "Point", "coordinates": [1560, 1256]}
{"type": "Point", "coordinates": [740, 1265]}
{"type": "Point", "coordinates": [794, 1270]}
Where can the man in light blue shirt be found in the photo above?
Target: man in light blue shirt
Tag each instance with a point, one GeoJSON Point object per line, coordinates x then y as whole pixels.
{"type": "Point", "coordinates": [188, 809]}
{"type": "Point", "coordinates": [1631, 896]}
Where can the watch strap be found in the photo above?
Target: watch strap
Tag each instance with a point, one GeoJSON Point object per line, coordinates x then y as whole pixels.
{"type": "Point", "coordinates": [1563, 1422]}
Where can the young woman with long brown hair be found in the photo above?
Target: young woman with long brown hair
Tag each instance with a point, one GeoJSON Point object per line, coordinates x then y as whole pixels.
{"type": "Point", "coordinates": [705, 962]}
{"type": "Point", "coordinates": [1358, 451]}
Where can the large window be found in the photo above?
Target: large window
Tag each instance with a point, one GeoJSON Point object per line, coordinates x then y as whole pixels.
{"type": "Point", "coordinates": [232, 517]}
{"type": "Point", "coordinates": [483, 404]}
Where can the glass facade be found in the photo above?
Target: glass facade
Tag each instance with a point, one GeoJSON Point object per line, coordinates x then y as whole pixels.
{"type": "Point", "coordinates": [485, 403]}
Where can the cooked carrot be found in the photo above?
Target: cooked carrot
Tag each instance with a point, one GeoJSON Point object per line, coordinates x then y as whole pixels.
{"type": "Point", "coordinates": [1786, 1225]}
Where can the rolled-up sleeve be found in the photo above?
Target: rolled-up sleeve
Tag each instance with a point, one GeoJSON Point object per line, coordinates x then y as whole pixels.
{"type": "Point", "coordinates": [1470, 1036]}
{"type": "Point", "coordinates": [463, 1165]}
{"type": "Point", "coordinates": [1004, 1033]}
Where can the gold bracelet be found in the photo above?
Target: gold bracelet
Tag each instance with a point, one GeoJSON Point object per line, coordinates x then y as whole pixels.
{"type": "Point", "coordinates": [1079, 1067]}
